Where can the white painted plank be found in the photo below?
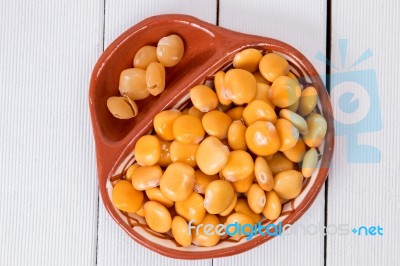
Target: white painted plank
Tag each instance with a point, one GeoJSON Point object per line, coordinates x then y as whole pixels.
{"type": "Point", "coordinates": [48, 196]}
{"type": "Point", "coordinates": [367, 193]}
{"type": "Point", "coordinates": [302, 25]}
{"type": "Point", "coordinates": [114, 246]}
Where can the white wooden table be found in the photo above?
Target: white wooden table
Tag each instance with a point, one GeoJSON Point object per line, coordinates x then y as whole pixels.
{"type": "Point", "coordinates": [50, 212]}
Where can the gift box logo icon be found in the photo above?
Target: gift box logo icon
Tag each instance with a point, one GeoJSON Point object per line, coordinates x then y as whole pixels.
{"type": "Point", "coordinates": [355, 101]}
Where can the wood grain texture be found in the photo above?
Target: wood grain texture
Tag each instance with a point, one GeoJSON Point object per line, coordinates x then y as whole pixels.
{"type": "Point", "coordinates": [114, 246]}
{"type": "Point", "coordinates": [284, 20]}
{"type": "Point", "coordinates": [48, 196]}
{"type": "Point", "coordinates": [367, 193]}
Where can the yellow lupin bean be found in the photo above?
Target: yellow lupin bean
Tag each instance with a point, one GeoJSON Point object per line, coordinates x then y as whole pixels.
{"type": "Point", "coordinates": [187, 129]}
{"type": "Point", "coordinates": [177, 182]}
{"type": "Point", "coordinates": [256, 198]}
{"type": "Point", "coordinates": [132, 83]}
{"type": "Point", "coordinates": [155, 194]}
{"type": "Point", "coordinates": [125, 197]}
{"type": "Point", "coordinates": [243, 185]}
{"type": "Point", "coordinates": [316, 130]}
{"type": "Point", "coordinates": [263, 174]}
{"type": "Point", "coordinates": [243, 207]}
{"type": "Point", "coordinates": [239, 166]}
{"type": "Point", "coordinates": [145, 177]}
{"type": "Point", "coordinates": [170, 50]}
{"type": "Point", "coordinates": [220, 89]}
{"type": "Point", "coordinates": [247, 59]}
{"type": "Point", "coordinates": [147, 150]}
{"type": "Point", "coordinates": [155, 78]}
{"type": "Point", "coordinates": [203, 239]}
{"type": "Point", "coordinates": [218, 196]}
{"type": "Point", "coordinates": [273, 206]}
{"type": "Point", "coordinates": [192, 208]}
{"type": "Point", "coordinates": [262, 138]}
{"type": "Point", "coordinates": [157, 217]}
{"type": "Point", "coordinates": [202, 181]}
{"type": "Point", "coordinates": [122, 107]}
{"type": "Point", "coordinates": [240, 85]}
{"type": "Point", "coordinates": [258, 110]}
{"type": "Point", "coordinates": [184, 153]}
{"type": "Point", "coordinates": [130, 171]}
{"type": "Point", "coordinates": [195, 112]}
{"type": "Point", "coordinates": [236, 136]}
{"type": "Point", "coordinates": [241, 219]}
{"type": "Point", "coordinates": [165, 157]}
{"type": "Point", "coordinates": [212, 155]}
{"type": "Point", "coordinates": [288, 134]}
{"type": "Point", "coordinates": [180, 231]}
{"type": "Point", "coordinates": [279, 163]}
{"type": "Point", "coordinates": [235, 113]}
{"type": "Point", "coordinates": [297, 121]}
{"type": "Point", "coordinates": [309, 163]}
{"type": "Point", "coordinates": [144, 56]}
{"type": "Point", "coordinates": [308, 100]}
{"type": "Point", "coordinates": [230, 208]}
{"type": "Point", "coordinates": [284, 92]}
{"type": "Point", "coordinates": [288, 184]}
{"type": "Point", "coordinates": [216, 123]}
{"type": "Point", "coordinates": [163, 123]}
{"type": "Point", "coordinates": [272, 66]}
{"type": "Point", "coordinates": [296, 153]}
{"type": "Point", "coordinates": [203, 98]}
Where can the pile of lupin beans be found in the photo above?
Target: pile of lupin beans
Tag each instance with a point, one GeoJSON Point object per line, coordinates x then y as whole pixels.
{"type": "Point", "coordinates": [243, 148]}
{"type": "Point", "coordinates": [146, 77]}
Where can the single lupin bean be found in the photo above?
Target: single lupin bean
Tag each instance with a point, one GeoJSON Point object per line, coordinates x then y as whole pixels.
{"type": "Point", "coordinates": [165, 156]}
{"type": "Point", "coordinates": [247, 59]}
{"type": "Point", "coordinates": [163, 123]}
{"type": "Point", "coordinates": [288, 134]}
{"type": "Point", "coordinates": [188, 129]}
{"type": "Point", "coordinates": [230, 208]}
{"type": "Point", "coordinates": [220, 89]}
{"type": "Point", "coordinates": [241, 219]}
{"type": "Point", "coordinates": [122, 107]}
{"type": "Point", "coordinates": [272, 66]}
{"type": "Point", "coordinates": [125, 197]}
{"type": "Point", "coordinates": [273, 206]}
{"type": "Point", "coordinates": [157, 217]}
{"type": "Point", "coordinates": [212, 155]}
{"type": "Point", "coordinates": [216, 123]}
{"type": "Point", "coordinates": [218, 196]}
{"type": "Point", "coordinates": [236, 113]}
{"type": "Point", "coordinates": [203, 98]}
{"type": "Point", "coordinates": [239, 166]}
{"type": "Point", "coordinates": [284, 92]}
{"type": "Point", "coordinates": [240, 85]}
{"type": "Point", "coordinates": [288, 184]}
{"type": "Point", "coordinates": [296, 153]}
{"type": "Point", "coordinates": [145, 177]}
{"type": "Point", "coordinates": [155, 194]}
{"type": "Point", "coordinates": [297, 121]}
{"type": "Point", "coordinates": [206, 239]}
{"type": "Point", "coordinates": [147, 150]}
{"type": "Point", "coordinates": [184, 153]}
{"type": "Point", "coordinates": [316, 130]}
{"type": "Point", "coordinates": [262, 93]}
{"type": "Point", "coordinates": [144, 56]}
{"type": "Point", "coordinates": [263, 174]}
{"type": "Point", "coordinates": [170, 50]}
{"type": "Point", "coordinates": [262, 138]}
{"type": "Point", "coordinates": [258, 110]}
{"type": "Point", "coordinates": [309, 162]}
{"type": "Point", "coordinates": [256, 198]}
{"type": "Point", "coordinates": [180, 231]}
{"type": "Point", "coordinates": [236, 136]}
{"type": "Point", "coordinates": [155, 78]}
{"type": "Point", "coordinates": [279, 163]}
{"type": "Point", "coordinates": [132, 83]}
{"type": "Point", "coordinates": [243, 185]}
{"type": "Point", "coordinates": [177, 182]}
{"type": "Point", "coordinates": [308, 100]}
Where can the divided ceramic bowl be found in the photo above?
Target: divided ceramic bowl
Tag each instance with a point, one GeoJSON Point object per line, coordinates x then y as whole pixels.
{"type": "Point", "coordinates": [208, 48]}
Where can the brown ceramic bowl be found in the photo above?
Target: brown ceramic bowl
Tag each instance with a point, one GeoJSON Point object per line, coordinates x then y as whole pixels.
{"type": "Point", "coordinates": [208, 48]}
